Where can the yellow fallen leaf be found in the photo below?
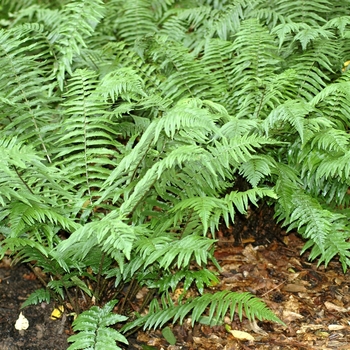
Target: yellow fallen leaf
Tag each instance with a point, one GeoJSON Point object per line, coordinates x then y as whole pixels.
{"type": "Point", "coordinates": [57, 312]}
{"type": "Point", "coordinates": [22, 323]}
{"type": "Point", "coordinates": [239, 334]}
{"type": "Point", "coordinates": [242, 335]}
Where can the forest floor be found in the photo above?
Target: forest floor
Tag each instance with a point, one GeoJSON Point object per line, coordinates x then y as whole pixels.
{"type": "Point", "coordinates": [256, 256]}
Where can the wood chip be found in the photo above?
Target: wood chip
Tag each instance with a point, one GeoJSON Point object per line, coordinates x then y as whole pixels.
{"type": "Point", "coordinates": [332, 307]}
{"type": "Point", "coordinates": [294, 288]}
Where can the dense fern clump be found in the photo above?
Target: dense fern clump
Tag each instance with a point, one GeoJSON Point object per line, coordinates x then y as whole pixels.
{"type": "Point", "coordinates": [125, 124]}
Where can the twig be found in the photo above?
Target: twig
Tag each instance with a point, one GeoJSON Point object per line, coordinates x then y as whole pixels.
{"type": "Point", "coordinates": [269, 291]}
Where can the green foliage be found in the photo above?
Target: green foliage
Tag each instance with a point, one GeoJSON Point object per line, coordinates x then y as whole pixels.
{"type": "Point", "coordinates": [39, 296]}
{"type": "Point", "coordinates": [218, 304]}
{"type": "Point", "coordinates": [95, 332]}
{"type": "Point", "coordinates": [125, 125]}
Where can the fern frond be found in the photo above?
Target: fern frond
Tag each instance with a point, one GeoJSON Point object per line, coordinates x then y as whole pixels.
{"type": "Point", "coordinates": [111, 234]}
{"type": "Point", "coordinates": [184, 73]}
{"type": "Point", "coordinates": [291, 111]}
{"type": "Point", "coordinates": [335, 165]}
{"type": "Point", "coordinates": [219, 305]}
{"type": "Point", "coordinates": [239, 148]}
{"type": "Point", "coordinates": [242, 199]}
{"type": "Point", "coordinates": [331, 140]}
{"type": "Point", "coordinates": [308, 216]}
{"type": "Point", "coordinates": [15, 158]}
{"type": "Point", "coordinates": [256, 169]}
{"type": "Point", "coordinates": [336, 245]}
{"type": "Point", "coordinates": [227, 20]}
{"type": "Point", "coordinates": [123, 83]}
{"type": "Point", "coordinates": [95, 332]}
{"type": "Point", "coordinates": [188, 117]}
{"type": "Point", "coordinates": [315, 67]}
{"type": "Point", "coordinates": [135, 19]}
{"type": "Point", "coordinates": [311, 13]}
{"type": "Point", "coordinates": [16, 244]}
{"type": "Point", "coordinates": [79, 22]}
{"type": "Point", "coordinates": [256, 59]}
{"type": "Point", "coordinates": [68, 280]}
{"type": "Point", "coordinates": [332, 101]}
{"type": "Point", "coordinates": [210, 209]}
{"type": "Point", "coordinates": [176, 252]}
{"type": "Point", "coordinates": [23, 216]}
{"type": "Point", "coordinates": [218, 57]}
{"type": "Point", "coordinates": [200, 279]}
{"type": "Point", "coordinates": [24, 87]}
{"type": "Point", "coordinates": [130, 162]}
{"type": "Point", "coordinates": [39, 296]}
{"type": "Point", "coordinates": [86, 143]}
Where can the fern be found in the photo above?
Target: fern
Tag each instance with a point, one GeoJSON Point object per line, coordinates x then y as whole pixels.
{"type": "Point", "coordinates": [95, 332]}
{"type": "Point", "coordinates": [39, 296]}
{"type": "Point", "coordinates": [201, 278]}
{"type": "Point", "coordinates": [218, 304]}
{"type": "Point", "coordinates": [125, 126]}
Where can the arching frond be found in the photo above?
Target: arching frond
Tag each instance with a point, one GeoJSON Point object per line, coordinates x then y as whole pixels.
{"type": "Point", "coordinates": [222, 303]}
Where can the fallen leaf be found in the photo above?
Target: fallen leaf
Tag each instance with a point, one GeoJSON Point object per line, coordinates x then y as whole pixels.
{"type": "Point", "coordinates": [241, 335]}
{"type": "Point", "coordinates": [22, 323]}
{"type": "Point", "coordinates": [29, 276]}
{"type": "Point", "coordinates": [57, 312]}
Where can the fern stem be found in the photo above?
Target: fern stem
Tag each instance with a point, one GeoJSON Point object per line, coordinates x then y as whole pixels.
{"type": "Point", "coordinates": [37, 275]}
{"type": "Point", "coordinates": [261, 102]}
{"type": "Point", "coordinates": [43, 282]}
{"type": "Point", "coordinates": [139, 201]}
{"type": "Point", "coordinates": [98, 289]}
{"type": "Point", "coordinates": [186, 223]}
{"type": "Point", "coordinates": [145, 303]}
{"type": "Point", "coordinates": [130, 293]}
{"type": "Point", "coordinates": [138, 164]}
{"type": "Point", "coordinates": [85, 157]}
{"type": "Point", "coordinates": [73, 301]}
{"type": "Point", "coordinates": [24, 183]}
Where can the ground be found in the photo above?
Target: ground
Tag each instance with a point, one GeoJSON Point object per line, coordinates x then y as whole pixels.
{"type": "Point", "coordinates": [256, 255]}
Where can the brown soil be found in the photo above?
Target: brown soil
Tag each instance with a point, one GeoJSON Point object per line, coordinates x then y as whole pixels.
{"type": "Point", "coordinates": [257, 256]}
